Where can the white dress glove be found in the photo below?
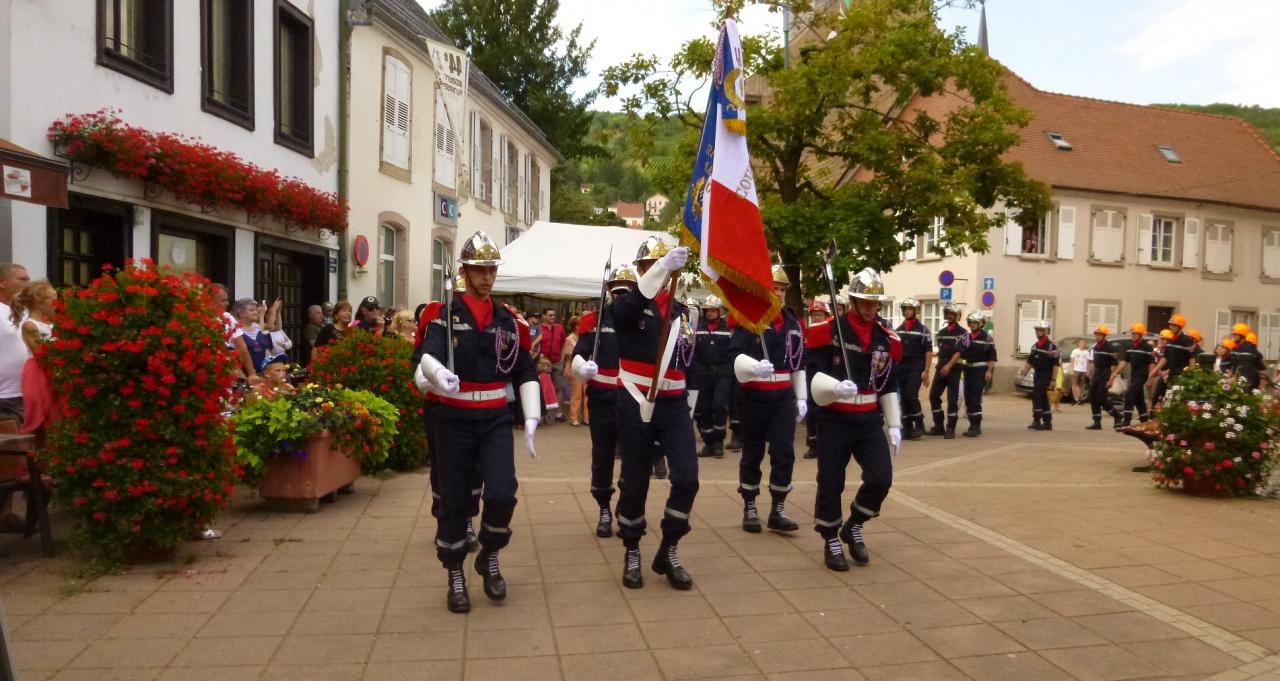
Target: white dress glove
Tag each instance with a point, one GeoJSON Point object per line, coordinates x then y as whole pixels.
{"type": "Point", "coordinates": [802, 408]}
{"type": "Point", "coordinates": [895, 441]}
{"type": "Point", "coordinates": [530, 427]}
{"type": "Point", "coordinates": [763, 369]}
{"type": "Point", "coordinates": [675, 259]}
{"type": "Point", "coordinates": [846, 389]}
{"type": "Point", "coordinates": [589, 369]}
{"type": "Point", "coordinates": [447, 381]}
{"type": "Point", "coordinates": [420, 380]}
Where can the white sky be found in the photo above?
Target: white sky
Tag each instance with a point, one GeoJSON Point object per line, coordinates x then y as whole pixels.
{"type": "Point", "coordinates": [1143, 51]}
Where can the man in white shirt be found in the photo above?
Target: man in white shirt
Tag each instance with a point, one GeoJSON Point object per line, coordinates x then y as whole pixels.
{"type": "Point", "coordinates": [13, 352]}
{"type": "Point", "coordinates": [1080, 358]}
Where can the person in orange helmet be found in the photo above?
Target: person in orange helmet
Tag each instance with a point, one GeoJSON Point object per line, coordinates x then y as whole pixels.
{"type": "Point", "coordinates": [1222, 357]}
{"type": "Point", "coordinates": [1246, 358]}
{"type": "Point", "coordinates": [1178, 353]}
{"type": "Point", "coordinates": [1105, 359]}
{"type": "Point", "coordinates": [1137, 354]}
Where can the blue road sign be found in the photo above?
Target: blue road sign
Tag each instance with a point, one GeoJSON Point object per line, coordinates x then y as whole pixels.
{"type": "Point", "coordinates": [988, 299]}
{"type": "Point", "coordinates": [944, 294]}
{"type": "Point", "coordinates": [988, 283]}
{"type": "Point", "coordinates": [946, 278]}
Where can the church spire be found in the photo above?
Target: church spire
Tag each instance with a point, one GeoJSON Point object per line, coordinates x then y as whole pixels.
{"type": "Point", "coordinates": [982, 31]}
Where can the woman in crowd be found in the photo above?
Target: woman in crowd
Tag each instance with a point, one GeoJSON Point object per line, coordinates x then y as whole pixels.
{"type": "Point", "coordinates": [577, 388]}
{"type": "Point", "coordinates": [403, 326]}
{"type": "Point", "coordinates": [332, 333]}
{"type": "Point", "coordinates": [36, 302]}
{"type": "Point", "coordinates": [248, 316]}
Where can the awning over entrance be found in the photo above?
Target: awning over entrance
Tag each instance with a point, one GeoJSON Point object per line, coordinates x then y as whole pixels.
{"type": "Point", "coordinates": [28, 176]}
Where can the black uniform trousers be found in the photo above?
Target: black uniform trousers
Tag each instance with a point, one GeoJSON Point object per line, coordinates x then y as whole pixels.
{"type": "Point", "coordinates": [1040, 408]}
{"type": "Point", "coordinates": [671, 428]}
{"type": "Point", "coordinates": [603, 406]}
{"type": "Point", "coordinates": [862, 437]}
{"type": "Point", "coordinates": [768, 418]}
{"type": "Point", "coordinates": [975, 381]}
{"type": "Point", "coordinates": [908, 376]}
{"type": "Point", "coordinates": [951, 384]}
{"type": "Point", "coordinates": [1099, 401]}
{"type": "Point", "coordinates": [712, 407]}
{"type": "Point", "coordinates": [1135, 396]}
{"type": "Point", "coordinates": [433, 472]}
{"type": "Point", "coordinates": [464, 444]}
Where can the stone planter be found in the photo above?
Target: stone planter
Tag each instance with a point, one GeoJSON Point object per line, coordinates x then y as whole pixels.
{"type": "Point", "coordinates": [1202, 488]}
{"type": "Point", "coordinates": [301, 483]}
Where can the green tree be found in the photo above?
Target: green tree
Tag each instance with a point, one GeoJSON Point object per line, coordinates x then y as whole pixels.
{"type": "Point", "coordinates": [834, 155]}
{"type": "Point", "coordinates": [520, 47]}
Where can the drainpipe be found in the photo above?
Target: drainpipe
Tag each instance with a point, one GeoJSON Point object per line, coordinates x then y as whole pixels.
{"type": "Point", "coordinates": [344, 113]}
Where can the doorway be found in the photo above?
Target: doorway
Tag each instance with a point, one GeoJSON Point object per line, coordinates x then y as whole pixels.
{"type": "Point", "coordinates": [1158, 317]}
{"type": "Point", "coordinates": [299, 279]}
{"type": "Point", "coordinates": [83, 238]}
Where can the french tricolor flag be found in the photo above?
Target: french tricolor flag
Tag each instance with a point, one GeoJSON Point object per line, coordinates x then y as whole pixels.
{"type": "Point", "coordinates": [721, 214]}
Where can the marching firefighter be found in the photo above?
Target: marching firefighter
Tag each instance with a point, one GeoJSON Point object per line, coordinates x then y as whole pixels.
{"type": "Point", "coordinates": [857, 397]}
{"type": "Point", "coordinates": [917, 361]}
{"type": "Point", "coordinates": [474, 351]}
{"type": "Point", "coordinates": [596, 362]}
{"type": "Point", "coordinates": [979, 364]}
{"type": "Point", "coordinates": [1246, 358]}
{"type": "Point", "coordinates": [818, 314]}
{"type": "Point", "coordinates": [1179, 352]}
{"type": "Point", "coordinates": [952, 340]}
{"type": "Point", "coordinates": [771, 382]}
{"type": "Point", "coordinates": [1105, 361]}
{"type": "Point", "coordinates": [640, 320]}
{"type": "Point", "coordinates": [712, 374]}
{"type": "Point", "coordinates": [1045, 359]}
{"type": "Point", "coordinates": [1137, 354]}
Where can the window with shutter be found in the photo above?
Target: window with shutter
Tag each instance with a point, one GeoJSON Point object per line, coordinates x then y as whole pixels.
{"type": "Point", "coordinates": [1221, 324]}
{"type": "Point", "coordinates": [1108, 235]}
{"type": "Point", "coordinates": [931, 248]}
{"type": "Point", "coordinates": [446, 168]}
{"type": "Point", "coordinates": [1269, 335]}
{"type": "Point", "coordinates": [1271, 253]}
{"type": "Point", "coordinates": [1012, 237]}
{"type": "Point", "coordinates": [522, 194]}
{"type": "Point", "coordinates": [1030, 311]}
{"type": "Point", "coordinates": [1101, 313]}
{"type": "Point", "coordinates": [1145, 223]}
{"type": "Point", "coordinates": [1191, 243]}
{"type": "Point", "coordinates": [908, 246]}
{"type": "Point", "coordinates": [397, 92]}
{"type": "Point", "coordinates": [478, 158]}
{"type": "Point", "coordinates": [1217, 248]}
{"type": "Point", "coordinates": [506, 169]}
{"type": "Point", "coordinates": [1066, 232]}
{"type": "Point", "coordinates": [931, 314]}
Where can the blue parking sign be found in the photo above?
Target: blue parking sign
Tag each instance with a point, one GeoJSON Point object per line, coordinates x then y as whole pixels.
{"type": "Point", "coordinates": [944, 294]}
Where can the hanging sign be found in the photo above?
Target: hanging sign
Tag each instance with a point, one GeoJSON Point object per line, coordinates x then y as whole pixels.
{"type": "Point", "coordinates": [360, 251]}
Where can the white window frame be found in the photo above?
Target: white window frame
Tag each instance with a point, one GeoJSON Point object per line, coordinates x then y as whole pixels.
{"type": "Point", "coordinates": [1045, 243]}
{"type": "Point", "coordinates": [1162, 248]}
{"type": "Point", "coordinates": [1101, 312]}
{"type": "Point", "coordinates": [446, 147]}
{"type": "Point", "coordinates": [441, 250]}
{"type": "Point", "coordinates": [388, 283]}
{"type": "Point", "coordinates": [931, 237]}
{"type": "Point", "coordinates": [1026, 309]}
{"type": "Point", "coordinates": [1219, 240]}
{"type": "Point", "coordinates": [1270, 265]}
{"type": "Point", "coordinates": [931, 314]}
{"type": "Point", "coordinates": [1269, 335]}
{"type": "Point", "coordinates": [397, 111]}
{"type": "Point", "coordinates": [1107, 227]}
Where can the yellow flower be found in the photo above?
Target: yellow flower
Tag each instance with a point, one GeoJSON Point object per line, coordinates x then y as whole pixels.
{"type": "Point", "coordinates": [319, 400]}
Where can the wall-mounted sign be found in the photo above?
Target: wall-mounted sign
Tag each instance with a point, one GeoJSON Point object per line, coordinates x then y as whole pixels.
{"type": "Point", "coordinates": [360, 251]}
{"type": "Point", "coordinates": [333, 262]}
{"type": "Point", "coordinates": [946, 278]}
{"type": "Point", "coordinates": [446, 210]}
{"type": "Point", "coordinates": [988, 299]}
{"type": "Point", "coordinates": [988, 283]}
{"type": "Point", "coordinates": [944, 294]}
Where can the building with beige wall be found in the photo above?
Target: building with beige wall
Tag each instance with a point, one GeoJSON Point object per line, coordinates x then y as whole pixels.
{"type": "Point", "coordinates": [1155, 211]}
{"type": "Point", "coordinates": [420, 182]}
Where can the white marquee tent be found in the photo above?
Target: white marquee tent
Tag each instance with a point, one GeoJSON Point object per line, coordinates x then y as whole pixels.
{"type": "Point", "coordinates": [557, 260]}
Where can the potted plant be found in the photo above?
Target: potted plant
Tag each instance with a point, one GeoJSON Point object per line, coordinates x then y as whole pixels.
{"type": "Point", "coordinates": [305, 446]}
{"type": "Point", "coordinates": [140, 372]}
{"type": "Point", "coordinates": [1216, 437]}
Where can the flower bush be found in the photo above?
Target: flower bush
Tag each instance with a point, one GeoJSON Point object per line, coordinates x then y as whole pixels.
{"type": "Point", "coordinates": [1216, 436]}
{"type": "Point", "coordinates": [382, 366]}
{"type": "Point", "coordinates": [194, 172]}
{"type": "Point", "coordinates": [363, 426]}
{"type": "Point", "coordinates": [141, 372]}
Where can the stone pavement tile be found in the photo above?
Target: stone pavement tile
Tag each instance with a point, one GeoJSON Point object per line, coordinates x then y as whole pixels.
{"type": "Point", "coordinates": [293, 546]}
{"type": "Point", "coordinates": [1137, 575]}
{"type": "Point", "coordinates": [762, 603]}
{"type": "Point", "coordinates": [929, 615]}
{"type": "Point", "coordinates": [605, 610]}
{"type": "Point", "coordinates": [441, 670]}
{"type": "Point", "coordinates": [829, 598]}
{"type": "Point", "coordinates": [416, 647]}
{"type": "Point", "coordinates": [969, 548]}
{"type": "Point", "coordinates": [919, 671]}
{"type": "Point", "coordinates": [1215, 549]}
{"type": "Point", "coordinates": [63, 628]}
{"type": "Point", "coordinates": [1051, 633]}
{"type": "Point", "coordinates": [1006, 608]}
{"type": "Point", "coordinates": [1267, 638]}
{"type": "Point", "coordinates": [281, 563]}
{"type": "Point", "coordinates": [616, 666]}
{"type": "Point", "coordinates": [312, 672]}
{"type": "Point", "coordinates": [791, 560]}
{"type": "Point", "coordinates": [996, 565]}
{"type": "Point", "coordinates": [118, 674]}
{"type": "Point", "coordinates": [879, 574]}
{"type": "Point", "coordinates": [735, 582]}
{"type": "Point", "coordinates": [266, 601]}
{"type": "Point", "coordinates": [149, 625]}
{"type": "Point", "coordinates": [228, 651]}
{"type": "Point", "coordinates": [1011, 667]}
{"type": "Point", "coordinates": [1091, 559]}
{"type": "Point", "coordinates": [245, 624]}
{"type": "Point", "coordinates": [911, 591]}
{"type": "Point", "coordinates": [312, 623]}
{"type": "Point", "coordinates": [779, 656]}
{"type": "Point", "coordinates": [870, 650]}
{"type": "Point", "coordinates": [1125, 627]}
{"type": "Point", "coordinates": [1037, 582]}
{"type": "Point", "coordinates": [1184, 656]}
{"type": "Point", "coordinates": [127, 652]}
{"type": "Point", "coordinates": [36, 655]}
{"type": "Point", "coordinates": [487, 616]}
{"type": "Point", "coordinates": [572, 557]}
{"type": "Point", "coordinates": [934, 569]}
{"type": "Point", "coordinates": [505, 669]}
{"type": "Point", "coordinates": [205, 579]}
{"type": "Point", "coordinates": [510, 643]}
{"type": "Point", "coordinates": [168, 602]}
{"type": "Point", "coordinates": [1198, 570]}
{"type": "Point", "coordinates": [410, 621]}
{"type": "Point", "coordinates": [669, 608]}
{"type": "Point", "coordinates": [131, 580]}
{"type": "Point", "coordinates": [27, 603]}
{"type": "Point", "coordinates": [686, 633]}
{"type": "Point", "coordinates": [601, 638]}
{"type": "Point", "coordinates": [584, 573]}
{"type": "Point", "coordinates": [579, 592]}
{"type": "Point", "coordinates": [980, 586]}
{"type": "Point", "coordinates": [347, 600]}
{"type": "Point", "coordinates": [360, 562]}
{"type": "Point", "coordinates": [239, 673]}
{"type": "Point", "coordinates": [862, 620]}
{"type": "Point", "coordinates": [780, 627]}
{"type": "Point", "coordinates": [719, 565]}
{"type": "Point", "coordinates": [900, 554]}
{"type": "Point", "coordinates": [1237, 616]}
{"type": "Point", "coordinates": [418, 597]}
{"type": "Point", "coordinates": [358, 579]}
{"type": "Point", "coordinates": [967, 640]}
{"type": "Point", "coordinates": [330, 649]}
{"type": "Point", "coordinates": [703, 662]}
{"type": "Point", "coordinates": [1248, 588]}
{"type": "Point", "coordinates": [266, 580]}
{"type": "Point", "coordinates": [1101, 663]}
{"type": "Point", "coordinates": [1261, 565]}
{"type": "Point", "coordinates": [1184, 594]}
{"type": "Point", "coordinates": [98, 602]}
{"type": "Point", "coordinates": [808, 578]}
{"type": "Point", "coordinates": [1079, 602]}
{"type": "Point", "coordinates": [819, 675]}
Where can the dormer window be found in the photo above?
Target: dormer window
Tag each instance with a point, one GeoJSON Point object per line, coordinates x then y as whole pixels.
{"type": "Point", "coordinates": [1169, 154]}
{"type": "Point", "coordinates": [1059, 141]}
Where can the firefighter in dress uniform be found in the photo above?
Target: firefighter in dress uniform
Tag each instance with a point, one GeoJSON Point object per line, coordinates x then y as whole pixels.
{"type": "Point", "coordinates": [770, 386]}
{"type": "Point", "coordinates": [979, 364]}
{"type": "Point", "coordinates": [1179, 351]}
{"type": "Point", "coordinates": [1105, 360]}
{"type": "Point", "coordinates": [712, 374]}
{"type": "Point", "coordinates": [638, 320]}
{"type": "Point", "coordinates": [951, 340]}
{"type": "Point", "coordinates": [1046, 361]}
{"type": "Point", "coordinates": [855, 404]}
{"type": "Point", "coordinates": [1137, 355]}
{"type": "Point", "coordinates": [1204, 355]}
{"type": "Point", "coordinates": [917, 361]}
{"type": "Point", "coordinates": [818, 314]}
{"type": "Point", "coordinates": [600, 371]}
{"type": "Point", "coordinates": [472, 423]}
{"type": "Point", "coordinates": [1246, 358]}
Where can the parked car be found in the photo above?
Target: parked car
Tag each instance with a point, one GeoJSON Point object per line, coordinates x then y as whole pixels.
{"type": "Point", "coordinates": [1023, 383]}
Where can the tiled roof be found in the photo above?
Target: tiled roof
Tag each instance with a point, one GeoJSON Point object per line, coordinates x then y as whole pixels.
{"type": "Point", "coordinates": [630, 210]}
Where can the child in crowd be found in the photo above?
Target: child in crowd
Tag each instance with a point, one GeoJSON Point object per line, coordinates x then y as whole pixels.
{"type": "Point", "coordinates": [275, 378]}
{"type": "Point", "coordinates": [36, 301]}
{"type": "Point", "coordinates": [550, 403]}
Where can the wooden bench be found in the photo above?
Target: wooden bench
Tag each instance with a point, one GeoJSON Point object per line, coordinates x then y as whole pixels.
{"type": "Point", "coordinates": [14, 444]}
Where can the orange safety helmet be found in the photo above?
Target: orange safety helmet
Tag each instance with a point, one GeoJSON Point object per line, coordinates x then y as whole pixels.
{"type": "Point", "coordinates": [1166, 334]}
{"type": "Point", "coordinates": [1138, 327]}
{"type": "Point", "coordinates": [1228, 343]}
{"type": "Point", "coordinates": [1195, 335]}
{"type": "Point", "coordinates": [1240, 329]}
{"type": "Point", "coordinates": [1178, 321]}
{"type": "Point", "coordinates": [1102, 329]}
{"type": "Point", "coordinates": [1252, 338]}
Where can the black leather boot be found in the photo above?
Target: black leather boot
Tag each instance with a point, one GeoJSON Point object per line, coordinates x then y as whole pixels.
{"type": "Point", "coordinates": [1047, 423]}
{"type": "Point", "coordinates": [495, 587]}
{"type": "Point", "coordinates": [833, 555]}
{"type": "Point", "coordinates": [457, 598]}
{"type": "Point", "coordinates": [705, 452]}
{"type": "Point", "coordinates": [1035, 425]}
{"type": "Point", "coordinates": [668, 563]}
{"type": "Point", "coordinates": [632, 577]}
{"type": "Point", "coordinates": [917, 430]}
{"type": "Point", "coordinates": [975, 428]}
{"type": "Point", "coordinates": [779, 521]}
{"type": "Point", "coordinates": [604, 527]}
{"type": "Point", "coordinates": [473, 542]}
{"type": "Point", "coordinates": [735, 443]}
{"type": "Point", "coordinates": [750, 517]}
{"type": "Point", "coordinates": [1097, 424]}
{"type": "Point", "coordinates": [851, 534]}
{"type": "Point", "coordinates": [660, 469]}
{"type": "Point", "coordinates": [717, 451]}
{"type": "Point", "coordinates": [936, 431]}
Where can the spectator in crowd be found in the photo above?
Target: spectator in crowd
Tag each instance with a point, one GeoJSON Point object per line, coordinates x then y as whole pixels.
{"type": "Point", "coordinates": [1080, 358]}
{"type": "Point", "coordinates": [550, 401]}
{"type": "Point", "coordinates": [369, 317]}
{"type": "Point", "coordinates": [258, 341]}
{"type": "Point", "coordinates": [578, 388]}
{"type": "Point", "coordinates": [535, 332]}
{"type": "Point", "coordinates": [13, 353]}
{"type": "Point", "coordinates": [332, 333]}
{"type": "Point", "coordinates": [417, 312]}
{"type": "Point", "coordinates": [403, 326]}
{"type": "Point", "coordinates": [234, 336]}
{"type": "Point", "coordinates": [553, 348]}
{"type": "Point", "coordinates": [327, 308]}
{"type": "Point", "coordinates": [310, 332]}
{"type": "Point", "coordinates": [275, 379]}
{"type": "Point", "coordinates": [35, 303]}
{"type": "Point", "coordinates": [273, 323]}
